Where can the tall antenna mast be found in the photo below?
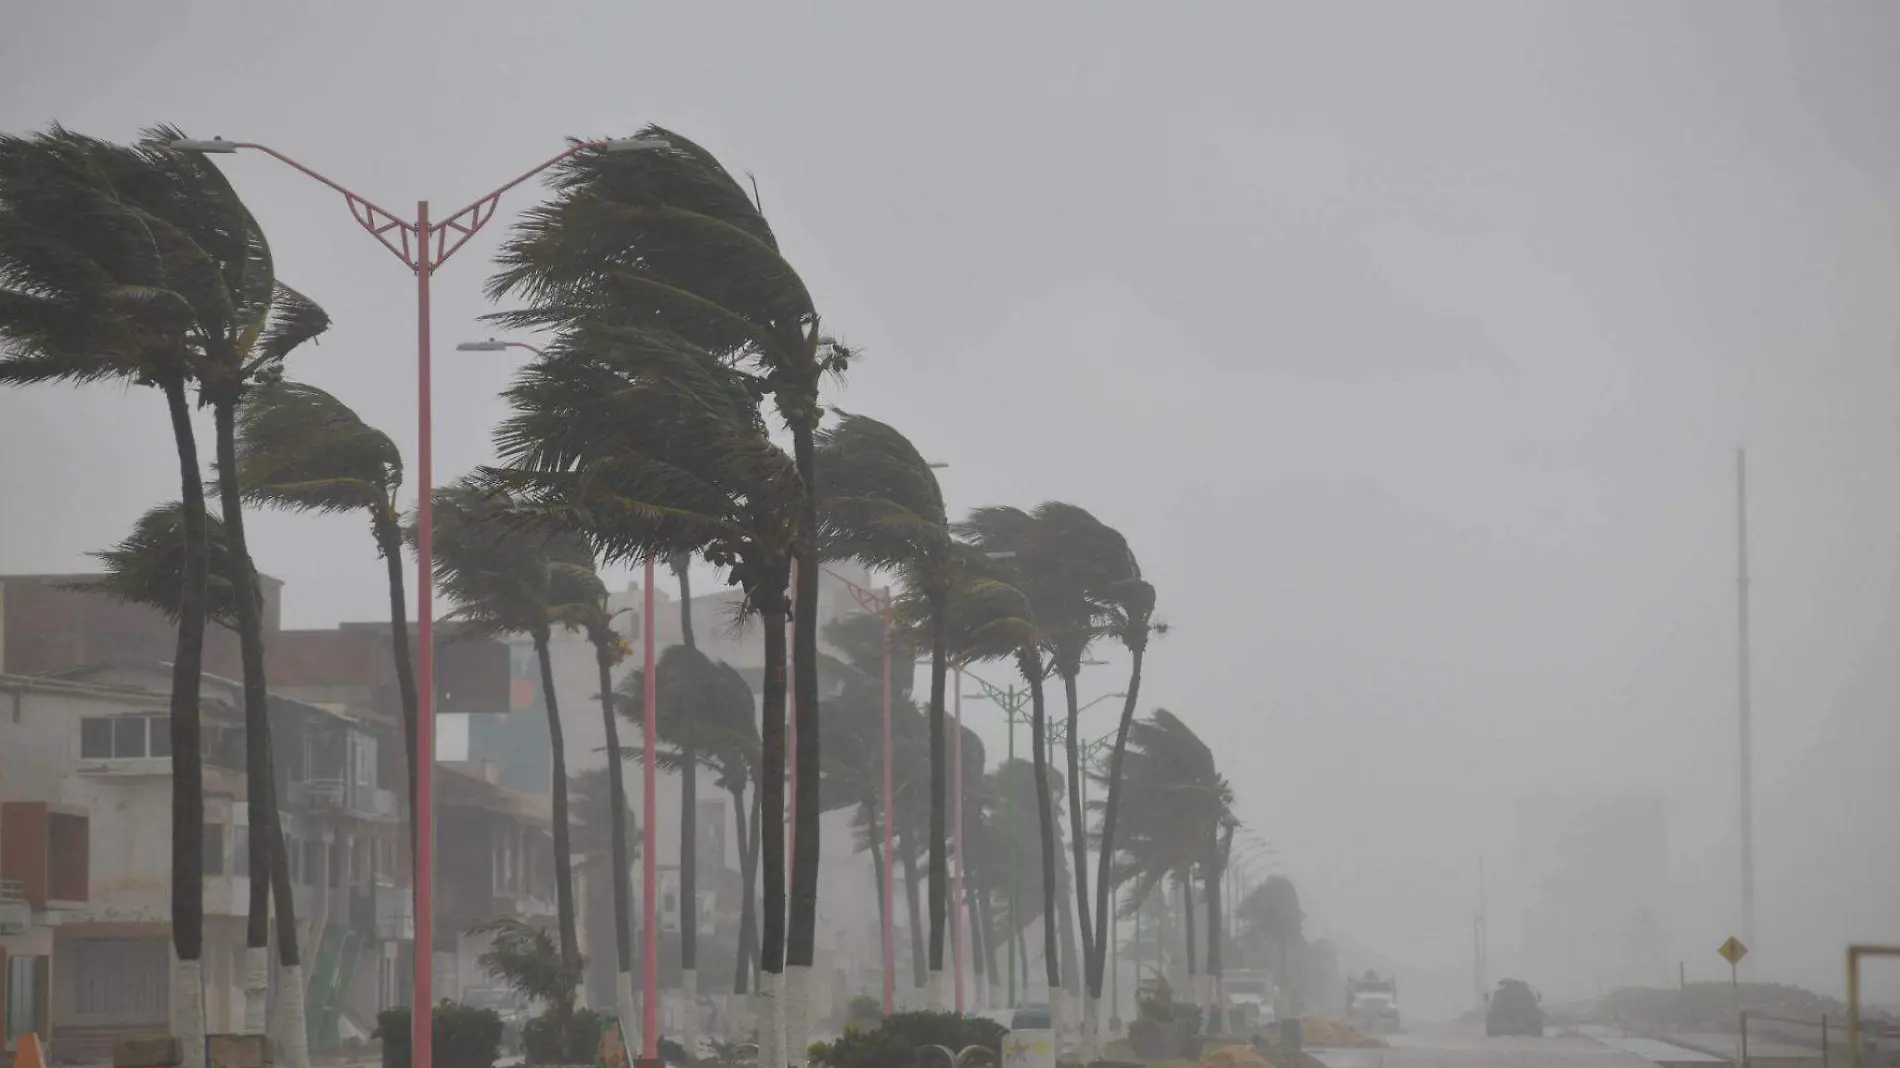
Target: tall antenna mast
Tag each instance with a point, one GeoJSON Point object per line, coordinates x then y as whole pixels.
{"type": "Point", "coordinates": [1745, 725]}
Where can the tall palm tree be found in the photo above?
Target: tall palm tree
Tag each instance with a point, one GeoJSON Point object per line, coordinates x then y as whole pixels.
{"type": "Point", "coordinates": [646, 445]}
{"type": "Point", "coordinates": [300, 448]}
{"type": "Point", "coordinates": [143, 265]}
{"type": "Point", "coordinates": [504, 581]}
{"type": "Point", "coordinates": [1068, 565]}
{"type": "Point", "coordinates": [879, 504]}
{"type": "Point", "coordinates": [1179, 811]}
{"type": "Point", "coordinates": [667, 236]}
{"type": "Point", "coordinates": [1131, 603]}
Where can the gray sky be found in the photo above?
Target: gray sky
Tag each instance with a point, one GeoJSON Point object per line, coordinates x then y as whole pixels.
{"type": "Point", "coordinates": [1408, 344]}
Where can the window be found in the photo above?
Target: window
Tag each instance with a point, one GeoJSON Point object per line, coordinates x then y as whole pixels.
{"type": "Point", "coordinates": [313, 856]}
{"type": "Point", "coordinates": [240, 851]}
{"type": "Point", "coordinates": [125, 737]}
{"type": "Point", "coordinates": [25, 1008]}
{"type": "Point", "coordinates": [121, 978]}
{"type": "Point", "coordinates": [363, 758]}
{"type": "Point", "coordinates": [214, 849]}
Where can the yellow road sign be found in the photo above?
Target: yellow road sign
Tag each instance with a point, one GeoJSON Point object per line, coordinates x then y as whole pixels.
{"type": "Point", "coordinates": [1733, 951]}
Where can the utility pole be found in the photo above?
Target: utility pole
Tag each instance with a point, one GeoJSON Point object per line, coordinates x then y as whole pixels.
{"type": "Point", "coordinates": [1745, 723]}
{"type": "Point", "coordinates": [1484, 939]}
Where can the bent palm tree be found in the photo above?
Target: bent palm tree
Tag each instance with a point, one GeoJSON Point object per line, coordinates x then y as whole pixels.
{"type": "Point", "coordinates": [1179, 811]}
{"type": "Point", "coordinates": [879, 504]}
{"type": "Point", "coordinates": [300, 448]}
{"type": "Point", "coordinates": [646, 446]}
{"type": "Point", "coordinates": [504, 581]}
{"type": "Point", "coordinates": [1132, 621]}
{"type": "Point", "coordinates": [667, 237]}
{"type": "Point", "coordinates": [143, 265]}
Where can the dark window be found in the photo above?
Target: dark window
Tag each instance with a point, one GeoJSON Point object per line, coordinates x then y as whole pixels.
{"type": "Point", "coordinates": [128, 737]}
{"type": "Point", "coordinates": [313, 853]}
{"type": "Point", "coordinates": [95, 739]}
{"type": "Point", "coordinates": [240, 851]}
{"type": "Point", "coordinates": [161, 735]}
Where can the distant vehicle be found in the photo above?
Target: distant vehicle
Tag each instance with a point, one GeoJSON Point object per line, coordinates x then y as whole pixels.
{"type": "Point", "coordinates": [1032, 1017]}
{"type": "Point", "coordinates": [1514, 1009]}
{"type": "Point", "coordinates": [1372, 1004]}
{"type": "Point", "coordinates": [1250, 1000]}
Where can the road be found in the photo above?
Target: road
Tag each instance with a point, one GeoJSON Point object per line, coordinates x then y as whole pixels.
{"type": "Point", "coordinates": [1458, 1049]}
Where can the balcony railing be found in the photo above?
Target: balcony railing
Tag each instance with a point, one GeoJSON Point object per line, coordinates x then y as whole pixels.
{"type": "Point", "coordinates": [12, 890]}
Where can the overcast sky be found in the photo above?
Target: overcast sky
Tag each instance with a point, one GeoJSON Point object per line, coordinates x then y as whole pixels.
{"type": "Point", "coordinates": [1409, 345]}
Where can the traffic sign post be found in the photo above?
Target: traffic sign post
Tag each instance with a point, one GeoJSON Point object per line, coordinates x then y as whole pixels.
{"type": "Point", "coordinates": [1733, 951]}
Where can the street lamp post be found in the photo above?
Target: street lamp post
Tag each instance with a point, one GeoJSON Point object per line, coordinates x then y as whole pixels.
{"type": "Point", "coordinates": [423, 245]}
{"type": "Point", "coordinates": [956, 894]}
{"type": "Point", "coordinates": [1012, 705]}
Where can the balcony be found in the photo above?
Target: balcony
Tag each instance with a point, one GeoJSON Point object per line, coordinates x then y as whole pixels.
{"type": "Point", "coordinates": [15, 913]}
{"type": "Point", "coordinates": [337, 794]}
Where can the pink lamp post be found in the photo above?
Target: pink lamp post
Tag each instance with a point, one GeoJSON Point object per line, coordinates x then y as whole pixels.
{"type": "Point", "coordinates": [956, 793]}
{"type": "Point", "coordinates": [423, 246]}
{"type": "Point", "coordinates": [650, 849]}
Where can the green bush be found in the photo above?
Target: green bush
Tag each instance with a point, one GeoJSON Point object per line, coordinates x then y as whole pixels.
{"type": "Point", "coordinates": [540, 1043]}
{"type": "Point", "coordinates": [894, 1044]}
{"type": "Point", "coordinates": [464, 1037]}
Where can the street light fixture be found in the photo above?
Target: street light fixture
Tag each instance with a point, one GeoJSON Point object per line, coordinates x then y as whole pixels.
{"type": "Point", "coordinates": [497, 345]}
{"type": "Point", "coordinates": [424, 245]}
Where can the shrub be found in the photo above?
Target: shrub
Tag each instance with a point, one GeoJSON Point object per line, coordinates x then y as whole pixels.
{"type": "Point", "coordinates": [540, 1041]}
{"type": "Point", "coordinates": [464, 1037]}
{"type": "Point", "coordinates": [895, 1043]}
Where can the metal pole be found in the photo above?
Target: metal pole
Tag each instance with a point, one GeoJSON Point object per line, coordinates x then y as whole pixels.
{"type": "Point", "coordinates": [1746, 714]}
{"type": "Point", "coordinates": [890, 858]}
{"type": "Point", "coordinates": [422, 1009]}
{"type": "Point", "coordinates": [649, 853]}
{"type": "Point", "coordinates": [790, 830]}
{"type": "Point", "coordinates": [1114, 953]}
{"type": "Point", "coordinates": [1009, 821]}
{"type": "Point", "coordinates": [956, 795]}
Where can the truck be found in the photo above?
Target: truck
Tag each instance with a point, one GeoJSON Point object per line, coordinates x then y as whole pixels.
{"type": "Point", "coordinates": [1514, 1009]}
{"type": "Point", "coordinates": [1250, 1000]}
{"type": "Point", "coordinates": [1372, 1004]}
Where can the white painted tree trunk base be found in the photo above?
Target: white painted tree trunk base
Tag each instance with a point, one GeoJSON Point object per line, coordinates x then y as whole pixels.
{"type": "Point", "coordinates": [629, 1014]}
{"type": "Point", "coordinates": [188, 1009]}
{"type": "Point", "coordinates": [771, 1023]}
{"type": "Point", "coordinates": [256, 989]}
{"type": "Point", "coordinates": [933, 991]}
{"type": "Point", "coordinates": [293, 1034]}
{"type": "Point", "coordinates": [689, 1034]}
{"type": "Point", "coordinates": [1091, 1028]}
{"type": "Point", "coordinates": [1059, 1014]}
{"type": "Point", "coordinates": [797, 1014]}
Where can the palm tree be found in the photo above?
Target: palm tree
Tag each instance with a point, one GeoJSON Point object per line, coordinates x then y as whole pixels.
{"type": "Point", "coordinates": [646, 446]}
{"type": "Point", "coordinates": [703, 717]}
{"type": "Point", "coordinates": [879, 504]}
{"type": "Point", "coordinates": [504, 581]}
{"type": "Point", "coordinates": [667, 236]}
{"type": "Point", "coordinates": [118, 264]}
{"type": "Point", "coordinates": [300, 448]}
{"type": "Point", "coordinates": [1068, 565]}
{"type": "Point", "coordinates": [1180, 817]}
{"type": "Point", "coordinates": [1132, 604]}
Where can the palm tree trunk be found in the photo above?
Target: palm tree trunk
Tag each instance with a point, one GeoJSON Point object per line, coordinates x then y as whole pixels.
{"type": "Point", "coordinates": [772, 834]}
{"type": "Point", "coordinates": [919, 975]}
{"type": "Point", "coordinates": [188, 807]}
{"type": "Point", "coordinates": [689, 827]}
{"type": "Point", "coordinates": [389, 543]}
{"type": "Point", "coordinates": [563, 855]}
{"type": "Point", "coordinates": [802, 929]}
{"type": "Point", "coordinates": [1110, 810]}
{"type": "Point", "coordinates": [1079, 846]}
{"type": "Point", "coordinates": [604, 640]}
{"type": "Point", "coordinates": [1217, 1015]}
{"type": "Point", "coordinates": [270, 868]}
{"type": "Point", "coordinates": [1186, 889]}
{"type": "Point", "coordinates": [748, 886]}
{"type": "Point", "coordinates": [1031, 664]}
{"type": "Point", "coordinates": [939, 796]}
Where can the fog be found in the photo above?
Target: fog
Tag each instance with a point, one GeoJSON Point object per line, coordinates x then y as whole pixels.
{"type": "Point", "coordinates": [1409, 345]}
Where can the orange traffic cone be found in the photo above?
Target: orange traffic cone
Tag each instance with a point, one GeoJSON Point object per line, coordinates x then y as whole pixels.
{"type": "Point", "coordinates": [28, 1055]}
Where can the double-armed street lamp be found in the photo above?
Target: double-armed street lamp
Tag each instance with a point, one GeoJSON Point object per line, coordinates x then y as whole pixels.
{"type": "Point", "coordinates": [424, 245]}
